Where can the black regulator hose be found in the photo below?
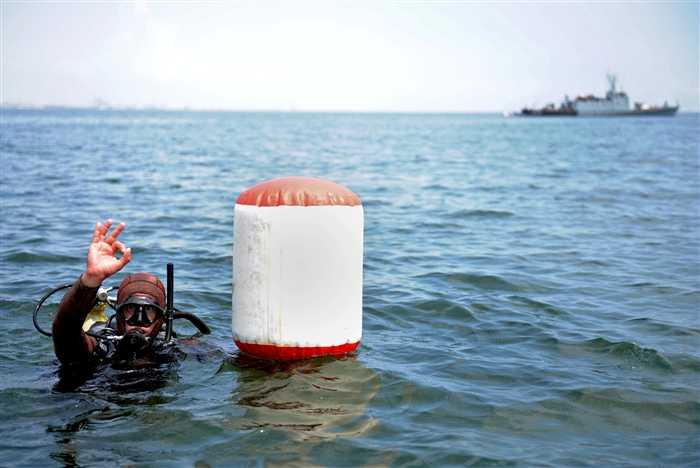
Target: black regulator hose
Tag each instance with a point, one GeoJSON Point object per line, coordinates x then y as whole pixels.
{"type": "Point", "coordinates": [38, 306]}
{"type": "Point", "coordinates": [194, 320]}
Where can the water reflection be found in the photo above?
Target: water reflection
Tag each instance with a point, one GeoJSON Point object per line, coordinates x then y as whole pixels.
{"type": "Point", "coordinates": [118, 393]}
{"type": "Point", "coordinates": [280, 410]}
{"type": "Point", "coordinates": [314, 399]}
{"type": "Point", "coordinates": [146, 374]}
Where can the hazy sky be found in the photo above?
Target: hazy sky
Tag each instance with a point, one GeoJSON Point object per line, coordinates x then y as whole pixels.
{"type": "Point", "coordinates": [346, 56]}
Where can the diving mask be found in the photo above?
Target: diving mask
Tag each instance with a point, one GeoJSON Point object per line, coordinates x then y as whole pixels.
{"type": "Point", "coordinates": [140, 311]}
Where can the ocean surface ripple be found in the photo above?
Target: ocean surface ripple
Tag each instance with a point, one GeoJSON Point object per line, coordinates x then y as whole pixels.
{"type": "Point", "coordinates": [531, 290]}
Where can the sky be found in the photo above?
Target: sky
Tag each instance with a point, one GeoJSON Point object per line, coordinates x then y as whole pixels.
{"type": "Point", "coordinates": [346, 56]}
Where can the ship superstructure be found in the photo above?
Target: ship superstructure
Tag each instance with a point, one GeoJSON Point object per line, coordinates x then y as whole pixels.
{"type": "Point", "coordinates": [614, 103]}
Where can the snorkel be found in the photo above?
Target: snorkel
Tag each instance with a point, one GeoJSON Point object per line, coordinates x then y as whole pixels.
{"type": "Point", "coordinates": [169, 312]}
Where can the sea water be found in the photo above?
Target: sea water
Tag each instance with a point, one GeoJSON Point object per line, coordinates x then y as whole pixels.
{"type": "Point", "coordinates": [531, 290]}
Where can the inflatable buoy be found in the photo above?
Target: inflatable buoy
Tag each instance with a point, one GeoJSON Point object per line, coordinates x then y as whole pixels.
{"type": "Point", "coordinates": [297, 269]}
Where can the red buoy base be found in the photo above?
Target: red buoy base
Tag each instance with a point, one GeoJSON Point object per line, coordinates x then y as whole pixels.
{"type": "Point", "coordinates": [293, 353]}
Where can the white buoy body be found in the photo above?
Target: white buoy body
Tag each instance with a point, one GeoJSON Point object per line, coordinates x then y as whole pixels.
{"type": "Point", "coordinates": [297, 269]}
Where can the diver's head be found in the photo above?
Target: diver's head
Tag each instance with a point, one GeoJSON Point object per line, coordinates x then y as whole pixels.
{"type": "Point", "coordinates": [141, 304]}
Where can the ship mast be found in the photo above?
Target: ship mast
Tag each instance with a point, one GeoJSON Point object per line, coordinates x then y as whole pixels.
{"type": "Point", "coordinates": [612, 79]}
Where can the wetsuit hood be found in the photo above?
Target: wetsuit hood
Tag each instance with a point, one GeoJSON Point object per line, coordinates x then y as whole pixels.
{"type": "Point", "coordinates": [142, 284]}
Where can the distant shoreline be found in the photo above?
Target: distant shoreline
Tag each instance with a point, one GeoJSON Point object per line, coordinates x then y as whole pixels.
{"type": "Point", "coordinates": [271, 111]}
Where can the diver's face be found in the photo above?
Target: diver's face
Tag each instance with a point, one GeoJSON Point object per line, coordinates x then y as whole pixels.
{"type": "Point", "coordinates": [140, 316]}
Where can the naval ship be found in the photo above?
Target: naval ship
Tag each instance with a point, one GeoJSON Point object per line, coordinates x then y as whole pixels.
{"type": "Point", "coordinates": [615, 103]}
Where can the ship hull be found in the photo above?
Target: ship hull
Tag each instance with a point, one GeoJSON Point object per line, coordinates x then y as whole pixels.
{"type": "Point", "coordinates": [541, 113]}
{"type": "Point", "coordinates": [667, 111]}
{"type": "Point", "coordinates": [660, 111]}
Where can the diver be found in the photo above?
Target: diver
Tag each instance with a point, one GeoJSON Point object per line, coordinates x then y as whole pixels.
{"type": "Point", "coordinates": [139, 324]}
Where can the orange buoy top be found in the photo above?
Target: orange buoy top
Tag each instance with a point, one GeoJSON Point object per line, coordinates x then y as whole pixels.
{"type": "Point", "coordinates": [298, 191]}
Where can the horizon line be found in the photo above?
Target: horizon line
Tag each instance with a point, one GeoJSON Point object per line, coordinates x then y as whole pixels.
{"type": "Point", "coordinates": [195, 109]}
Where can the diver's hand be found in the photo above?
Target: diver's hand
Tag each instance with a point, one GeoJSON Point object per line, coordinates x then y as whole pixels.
{"type": "Point", "coordinates": [101, 259]}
